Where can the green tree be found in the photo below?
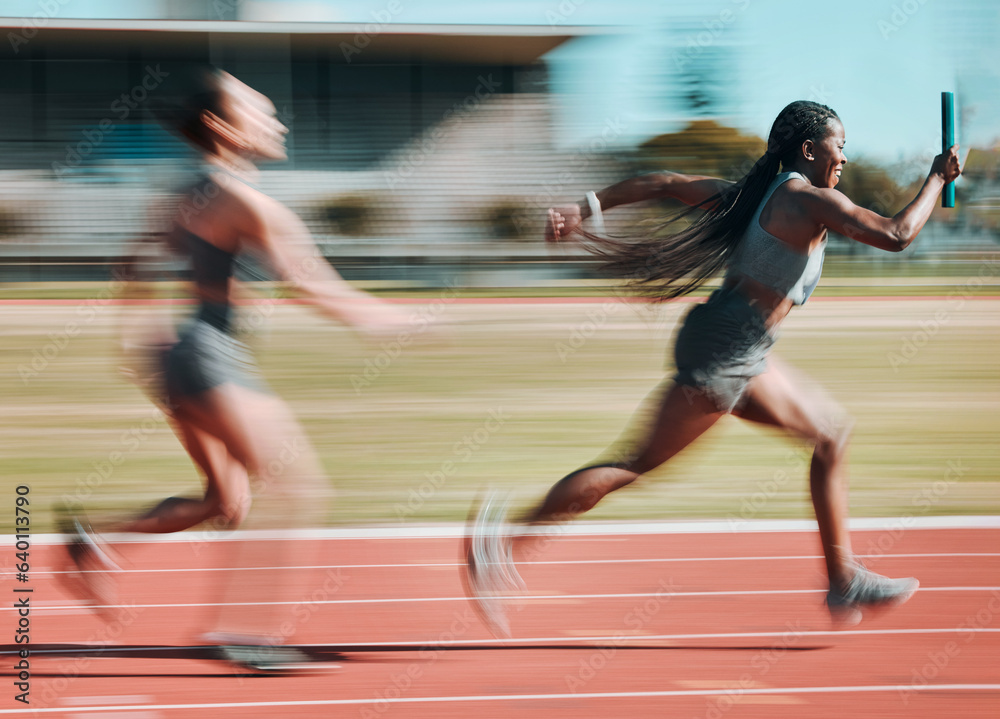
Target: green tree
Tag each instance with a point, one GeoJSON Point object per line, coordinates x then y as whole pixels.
{"type": "Point", "coordinates": [704, 147]}
{"type": "Point", "coordinates": [870, 185]}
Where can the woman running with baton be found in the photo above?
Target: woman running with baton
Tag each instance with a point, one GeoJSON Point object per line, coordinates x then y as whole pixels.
{"type": "Point", "coordinates": [767, 231]}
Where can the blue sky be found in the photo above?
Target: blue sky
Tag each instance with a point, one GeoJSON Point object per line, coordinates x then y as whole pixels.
{"type": "Point", "coordinates": [881, 67]}
{"type": "Point", "coordinates": [880, 63]}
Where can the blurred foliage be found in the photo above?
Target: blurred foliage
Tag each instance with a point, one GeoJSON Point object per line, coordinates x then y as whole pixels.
{"type": "Point", "coordinates": [351, 215]}
{"type": "Point", "coordinates": [10, 222]}
{"type": "Point", "coordinates": [704, 147]}
{"type": "Point", "coordinates": [981, 180]}
{"type": "Point", "coordinates": [870, 185]}
{"type": "Point", "coordinates": [507, 219]}
{"type": "Point", "coordinates": [985, 214]}
{"type": "Point", "coordinates": [983, 164]}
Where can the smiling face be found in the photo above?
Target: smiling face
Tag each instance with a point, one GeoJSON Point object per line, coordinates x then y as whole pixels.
{"type": "Point", "coordinates": [826, 157]}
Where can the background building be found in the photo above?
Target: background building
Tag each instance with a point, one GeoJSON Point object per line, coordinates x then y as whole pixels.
{"type": "Point", "coordinates": [412, 151]}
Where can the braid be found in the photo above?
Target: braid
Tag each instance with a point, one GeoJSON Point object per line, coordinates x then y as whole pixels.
{"type": "Point", "coordinates": [674, 265]}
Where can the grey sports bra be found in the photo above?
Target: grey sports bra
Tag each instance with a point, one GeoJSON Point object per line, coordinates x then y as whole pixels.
{"type": "Point", "coordinates": [211, 267]}
{"type": "Point", "coordinates": [765, 259]}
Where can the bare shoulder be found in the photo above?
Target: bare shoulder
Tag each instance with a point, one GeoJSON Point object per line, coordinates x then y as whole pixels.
{"type": "Point", "coordinates": [814, 196]}
{"type": "Point", "coordinates": [255, 214]}
{"type": "Point", "coordinates": [822, 205]}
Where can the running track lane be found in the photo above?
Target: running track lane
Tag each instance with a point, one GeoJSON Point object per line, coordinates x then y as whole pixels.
{"type": "Point", "coordinates": [671, 624]}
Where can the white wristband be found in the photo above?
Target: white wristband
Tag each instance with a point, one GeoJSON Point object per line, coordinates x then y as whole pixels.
{"type": "Point", "coordinates": [595, 212]}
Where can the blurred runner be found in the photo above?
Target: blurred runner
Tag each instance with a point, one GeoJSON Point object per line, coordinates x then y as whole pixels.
{"type": "Point", "coordinates": [238, 433]}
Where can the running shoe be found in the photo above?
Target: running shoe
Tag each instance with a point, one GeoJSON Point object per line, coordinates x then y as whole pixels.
{"type": "Point", "coordinates": [867, 591]}
{"type": "Point", "coordinates": [94, 565]}
{"type": "Point", "coordinates": [267, 657]}
{"type": "Point", "coordinates": [490, 572]}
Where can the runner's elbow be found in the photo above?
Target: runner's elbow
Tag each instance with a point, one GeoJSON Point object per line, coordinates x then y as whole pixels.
{"type": "Point", "coordinates": [900, 239]}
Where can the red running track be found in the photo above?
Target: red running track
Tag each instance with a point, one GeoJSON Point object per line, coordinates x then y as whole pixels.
{"type": "Point", "coordinates": [704, 625]}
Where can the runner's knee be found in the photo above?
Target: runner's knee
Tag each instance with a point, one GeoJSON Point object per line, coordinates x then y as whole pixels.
{"type": "Point", "coordinates": [229, 510]}
{"type": "Point", "coordinates": [604, 481]}
{"type": "Point", "coordinates": [833, 438]}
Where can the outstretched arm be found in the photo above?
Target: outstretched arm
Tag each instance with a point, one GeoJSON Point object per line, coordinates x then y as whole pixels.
{"type": "Point", "coordinates": [293, 254]}
{"type": "Point", "coordinates": [893, 234]}
{"type": "Point", "coordinates": [689, 189]}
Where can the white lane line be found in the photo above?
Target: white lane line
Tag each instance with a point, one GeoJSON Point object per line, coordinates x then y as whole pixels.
{"type": "Point", "coordinates": [522, 598]}
{"type": "Point", "coordinates": [721, 527]}
{"type": "Point", "coordinates": [550, 562]}
{"type": "Point", "coordinates": [76, 702]}
{"type": "Point", "coordinates": [585, 696]}
{"type": "Point", "coordinates": [625, 639]}
{"type": "Point", "coordinates": [77, 707]}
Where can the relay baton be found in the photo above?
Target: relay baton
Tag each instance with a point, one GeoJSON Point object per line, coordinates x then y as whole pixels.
{"type": "Point", "coordinates": [947, 140]}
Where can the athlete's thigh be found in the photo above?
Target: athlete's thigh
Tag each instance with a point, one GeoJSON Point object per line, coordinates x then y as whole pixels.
{"type": "Point", "coordinates": [682, 415]}
{"type": "Point", "coordinates": [225, 475]}
{"type": "Point", "coordinates": [250, 424]}
{"type": "Point", "coordinates": [787, 398]}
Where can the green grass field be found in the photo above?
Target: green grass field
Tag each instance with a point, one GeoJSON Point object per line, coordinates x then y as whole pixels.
{"type": "Point", "coordinates": [413, 442]}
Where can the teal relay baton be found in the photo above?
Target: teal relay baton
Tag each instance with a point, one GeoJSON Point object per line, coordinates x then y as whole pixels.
{"type": "Point", "coordinates": [947, 140]}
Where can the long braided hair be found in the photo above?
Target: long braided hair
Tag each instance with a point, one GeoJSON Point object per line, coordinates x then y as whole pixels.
{"type": "Point", "coordinates": [672, 265]}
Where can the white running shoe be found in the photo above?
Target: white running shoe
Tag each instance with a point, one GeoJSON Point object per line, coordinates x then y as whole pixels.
{"type": "Point", "coordinates": [267, 657]}
{"type": "Point", "coordinates": [490, 571]}
{"type": "Point", "coordinates": [865, 591]}
{"type": "Point", "coordinates": [94, 566]}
